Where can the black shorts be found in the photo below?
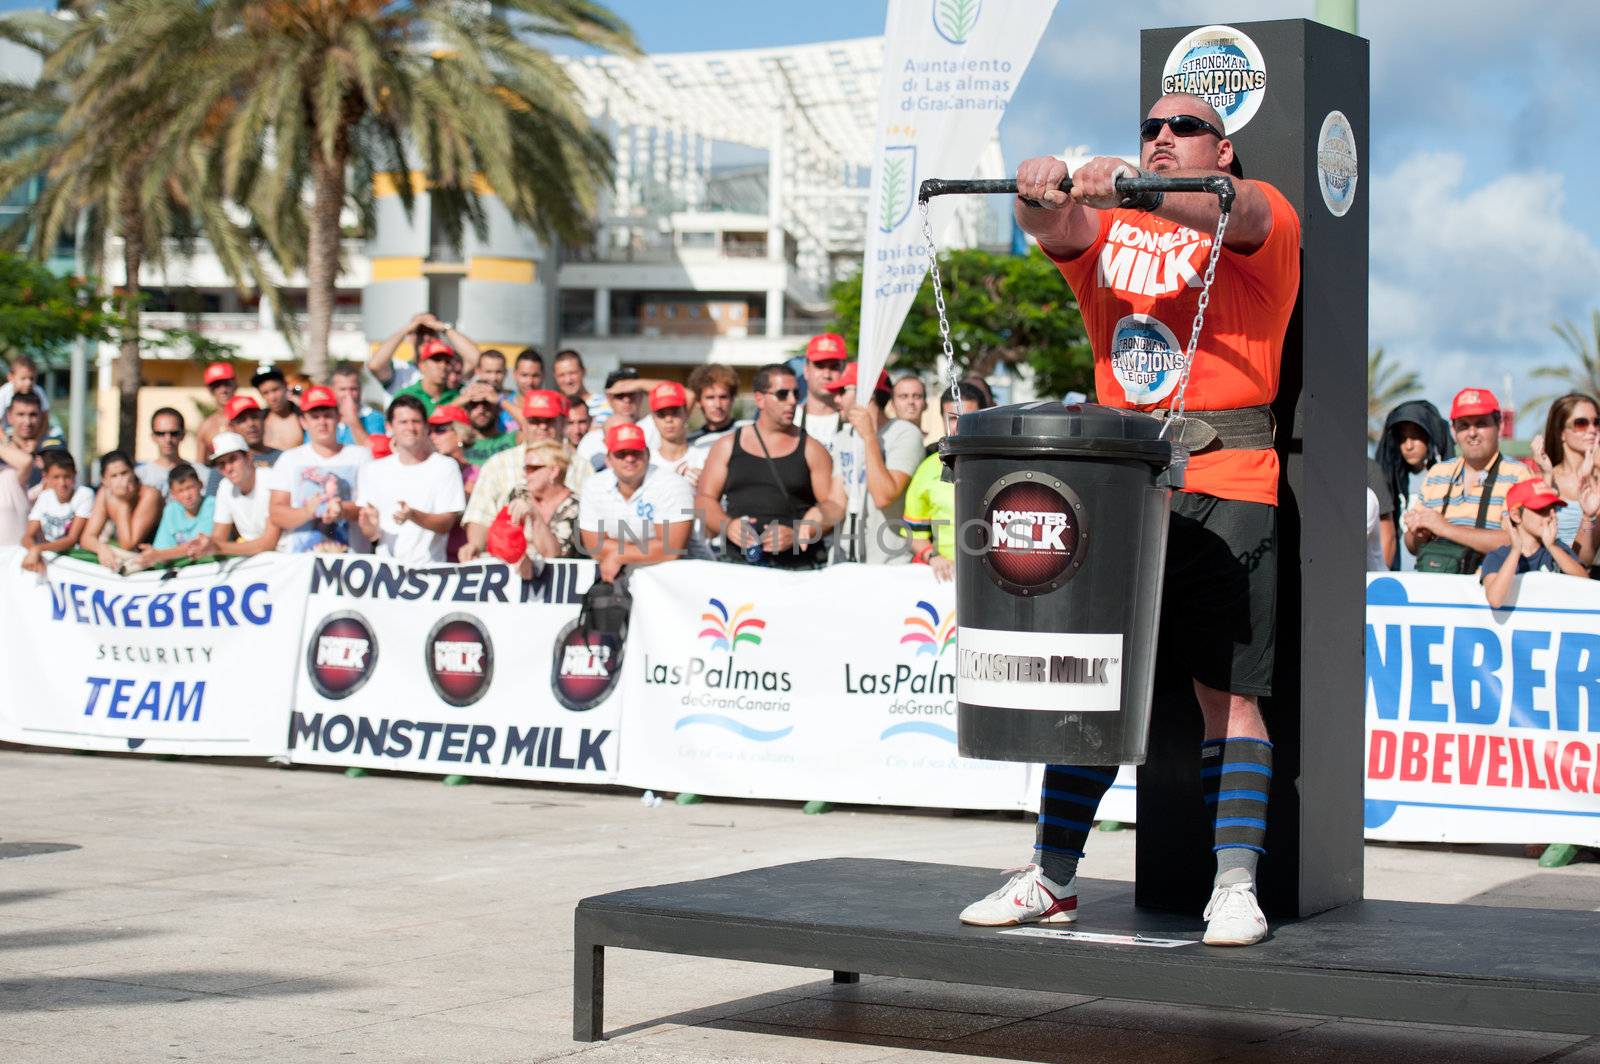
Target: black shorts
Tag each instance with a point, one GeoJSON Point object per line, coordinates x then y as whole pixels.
{"type": "Point", "coordinates": [1219, 608]}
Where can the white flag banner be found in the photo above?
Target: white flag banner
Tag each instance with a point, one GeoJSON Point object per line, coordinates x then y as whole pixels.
{"type": "Point", "coordinates": [949, 69]}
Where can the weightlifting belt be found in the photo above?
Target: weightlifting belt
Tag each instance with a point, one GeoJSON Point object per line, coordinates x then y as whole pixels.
{"type": "Point", "coordinates": [1249, 428]}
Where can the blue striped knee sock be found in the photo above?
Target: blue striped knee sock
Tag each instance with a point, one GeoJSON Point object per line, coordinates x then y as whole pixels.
{"type": "Point", "coordinates": [1236, 775]}
{"type": "Point", "coordinates": [1067, 803]}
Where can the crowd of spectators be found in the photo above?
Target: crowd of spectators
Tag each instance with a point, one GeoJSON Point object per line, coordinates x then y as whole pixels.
{"type": "Point", "coordinates": [1443, 497]}
{"type": "Point", "coordinates": [472, 456]}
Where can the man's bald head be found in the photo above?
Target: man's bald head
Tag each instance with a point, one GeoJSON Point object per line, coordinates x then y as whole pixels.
{"type": "Point", "coordinates": [1201, 151]}
{"type": "Point", "coordinates": [1183, 103]}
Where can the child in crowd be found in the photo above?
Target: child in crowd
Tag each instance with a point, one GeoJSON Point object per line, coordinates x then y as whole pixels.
{"type": "Point", "coordinates": [1530, 521]}
{"type": "Point", "coordinates": [56, 521]}
{"type": "Point", "coordinates": [185, 523]}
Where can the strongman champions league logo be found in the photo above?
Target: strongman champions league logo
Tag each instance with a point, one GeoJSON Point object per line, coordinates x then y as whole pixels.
{"type": "Point", "coordinates": [1146, 358]}
{"type": "Point", "coordinates": [1034, 538]}
{"type": "Point", "coordinates": [460, 659]}
{"type": "Point", "coordinates": [1221, 66]}
{"type": "Point", "coordinates": [341, 654]}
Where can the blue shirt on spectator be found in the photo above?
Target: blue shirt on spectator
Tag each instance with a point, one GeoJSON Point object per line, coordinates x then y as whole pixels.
{"type": "Point", "coordinates": [1540, 561]}
{"type": "Point", "coordinates": [179, 526]}
{"type": "Point", "coordinates": [371, 420]}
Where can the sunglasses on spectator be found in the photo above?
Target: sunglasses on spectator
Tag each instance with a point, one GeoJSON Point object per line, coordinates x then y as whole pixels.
{"type": "Point", "coordinates": [627, 455]}
{"type": "Point", "coordinates": [532, 468]}
{"type": "Point", "coordinates": [438, 429]}
{"type": "Point", "coordinates": [1181, 126]}
{"type": "Point", "coordinates": [630, 396]}
{"type": "Point", "coordinates": [781, 394]}
{"type": "Point", "coordinates": [166, 432]}
{"type": "Point", "coordinates": [1581, 423]}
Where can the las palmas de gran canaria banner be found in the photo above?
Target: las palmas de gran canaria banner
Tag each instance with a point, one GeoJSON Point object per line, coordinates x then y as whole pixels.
{"type": "Point", "coordinates": [949, 69]}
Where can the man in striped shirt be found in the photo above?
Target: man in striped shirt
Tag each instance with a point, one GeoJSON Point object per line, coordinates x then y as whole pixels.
{"type": "Point", "coordinates": [1453, 490]}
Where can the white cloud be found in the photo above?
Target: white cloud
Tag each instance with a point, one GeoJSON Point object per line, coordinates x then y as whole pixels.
{"type": "Point", "coordinates": [1465, 282]}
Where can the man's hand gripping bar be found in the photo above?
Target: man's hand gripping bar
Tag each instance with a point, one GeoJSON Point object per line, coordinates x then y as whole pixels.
{"type": "Point", "coordinates": [1139, 190]}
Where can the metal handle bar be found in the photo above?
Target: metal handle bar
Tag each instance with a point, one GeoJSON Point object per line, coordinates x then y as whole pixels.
{"type": "Point", "coordinates": [1218, 185]}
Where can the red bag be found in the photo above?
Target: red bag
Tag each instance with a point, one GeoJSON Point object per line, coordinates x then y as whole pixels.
{"type": "Point", "coordinates": [506, 540]}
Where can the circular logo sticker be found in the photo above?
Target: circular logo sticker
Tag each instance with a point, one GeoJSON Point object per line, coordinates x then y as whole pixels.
{"type": "Point", "coordinates": [1336, 163]}
{"type": "Point", "coordinates": [460, 659]}
{"type": "Point", "coordinates": [1224, 68]}
{"type": "Point", "coordinates": [341, 654]}
{"type": "Point", "coordinates": [1035, 540]}
{"type": "Point", "coordinates": [1146, 358]}
{"type": "Point", "coordinates": [584, 667]}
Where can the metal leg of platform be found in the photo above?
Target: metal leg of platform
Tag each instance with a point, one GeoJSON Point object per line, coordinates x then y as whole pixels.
{"type": "Point", "coordinates": [588, 991]}
{"type": "Point", "coordinates": [846, 977]}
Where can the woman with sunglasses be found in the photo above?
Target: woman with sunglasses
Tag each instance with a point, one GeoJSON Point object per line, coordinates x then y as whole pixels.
{"type": "Point", "coordinates": [543, 507]}
{"type": "Point", "coordinates": [1566, 455]}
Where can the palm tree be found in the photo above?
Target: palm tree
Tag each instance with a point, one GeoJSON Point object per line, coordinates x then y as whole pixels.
{"type": "Point", "coordinates": [102, 177]}
{"type": "Point", "coordinates": [288, 99]}
{"type": "Point", "coordinates": [1582, 374]}
{"type": "Point", "coordinates": [1387, 385]}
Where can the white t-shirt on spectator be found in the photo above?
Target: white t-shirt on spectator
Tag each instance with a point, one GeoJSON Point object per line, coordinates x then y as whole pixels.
{"type": "Point", "coordinates": [246, 513]}
{"type": "Point", "coordinates": [8, 390]}
{"type": "Point", "coordinates": [55, 517]}
{"type": "Point", "coordinates": [662, 496]}
{"type": "Point", "coordinates": [1376, 563]}
{"type": "Point", "coordinates": [304, 473]}
{"type": "Point", "coordinates": [876, 541]}
{"type": "Point", "coordinates": [155, 476]}
{"type": "Point", "coordinates": [820, 427]}
{"type": "Point", "coordinates": [432, 485]}
{"type": "Point", "coordinates": [405, 375]}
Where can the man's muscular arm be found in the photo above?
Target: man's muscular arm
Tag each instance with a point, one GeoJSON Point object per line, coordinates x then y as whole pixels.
{"type": "Point", "coordinates": [1063, 228]}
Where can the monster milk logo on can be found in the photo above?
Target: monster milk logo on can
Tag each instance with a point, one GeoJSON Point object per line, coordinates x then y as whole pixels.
{"type": "Point", "coordinates": [1224, 68]}
{"type": "Point", "coordinates": [954, 20]}
{"type": "Point", "coordinates": [460, 659]}
{"type": "Point", "coordinates": [1034, 539]}
{"type": "Point", "coordinates": [341, 654]}
{"type": "Point", "coordinates": [1337, 167]}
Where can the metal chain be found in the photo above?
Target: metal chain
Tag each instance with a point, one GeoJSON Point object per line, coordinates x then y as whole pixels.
{"type": "Point", "coordinates": [948, 361]}
{"type": "Point", "coordinates": [1199, 319]}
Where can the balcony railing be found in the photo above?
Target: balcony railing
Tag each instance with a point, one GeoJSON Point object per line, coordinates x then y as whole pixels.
{"type": "Point", "coordinates": [343, 321]}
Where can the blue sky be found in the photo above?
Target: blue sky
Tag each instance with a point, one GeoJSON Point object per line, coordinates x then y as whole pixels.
{"type": "Point", "coordinates": [1483, 148]}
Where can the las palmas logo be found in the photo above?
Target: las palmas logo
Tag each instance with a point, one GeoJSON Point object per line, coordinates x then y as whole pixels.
{"type": "Point", "coordinates": [726, 631]}
{"type": "Point", "coordinates": [899, 178]}
{"type": "Point", "coordinates": [927, 634]}
{"type": "Point", "coordinates": [955, 19]}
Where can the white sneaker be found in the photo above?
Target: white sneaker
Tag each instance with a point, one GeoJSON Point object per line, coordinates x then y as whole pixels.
{"type": "Point", "coordinates": [1233, 918]}
{"type": "Point", "coordinates": [1029, 897]}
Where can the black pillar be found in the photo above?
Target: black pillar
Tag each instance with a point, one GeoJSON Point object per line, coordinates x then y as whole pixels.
{"type": "Point", "coordinates": [1315, 717]}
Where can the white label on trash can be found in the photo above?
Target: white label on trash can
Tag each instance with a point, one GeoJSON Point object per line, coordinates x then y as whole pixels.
{"type": "Point", "coordinates": [1062, 672]}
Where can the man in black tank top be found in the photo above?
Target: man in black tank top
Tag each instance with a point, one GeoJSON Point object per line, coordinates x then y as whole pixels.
{"type": "Point", "coordinates": [765, 487]}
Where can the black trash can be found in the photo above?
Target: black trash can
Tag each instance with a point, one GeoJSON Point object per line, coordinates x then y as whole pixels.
{"type": "Point", "coordinates": [1061, 523]}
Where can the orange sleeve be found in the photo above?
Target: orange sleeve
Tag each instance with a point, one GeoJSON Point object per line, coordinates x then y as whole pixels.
{"type": "Point", "coordinates": [1271, 272]}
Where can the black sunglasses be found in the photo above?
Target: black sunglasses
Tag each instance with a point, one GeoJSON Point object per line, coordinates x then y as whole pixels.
{"type": "Point", "coordinates": [781, 394]}
{"type": "Point", "coordinates": [165, 432]}
{"type": "Point", "coordinates": [1581, 423]}
{"type": "Point", "coordinates": [1181, 126]}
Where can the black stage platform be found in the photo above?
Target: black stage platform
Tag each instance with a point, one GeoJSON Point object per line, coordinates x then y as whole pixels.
{"type": "Point", "coordinates": [1524, 969]}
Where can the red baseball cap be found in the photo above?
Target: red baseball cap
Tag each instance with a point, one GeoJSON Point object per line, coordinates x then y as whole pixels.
{"type": "Point", "coordinates": [318, 397]}
{"type": "Point", "coordinates": [544, 403]}
{"type": "Point", "coordinates": [381, 447]}
{"type": "Point", "coordinates": [1534, 494]}
{"type": "Point", "coordinates": [433, 347]}
{"type": "Point", "coordinates": [826, 347]}
{"type": "Point", "coordinates": [667, 395]}
{"type": "Point", "coordinates": [847, 379]}
{"type": "Point", "coordinates": [238, 405]}
{"type": "Point", "coordinates": [1471, 401]}
{"type": "Point", "coordinates": [444, 415]}
{"type": "Point", "coordinates": [625, 437]}
{"type": "Point", "coordinates": [218, 371]}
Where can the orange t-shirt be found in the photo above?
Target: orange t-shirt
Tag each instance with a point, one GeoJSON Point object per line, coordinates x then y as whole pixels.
{"type": "Point", "coordinates": [1137, 286]}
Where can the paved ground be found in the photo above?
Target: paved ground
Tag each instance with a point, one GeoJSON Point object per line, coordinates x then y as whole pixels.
{"type": "Point", "coordinates": [191, 911]}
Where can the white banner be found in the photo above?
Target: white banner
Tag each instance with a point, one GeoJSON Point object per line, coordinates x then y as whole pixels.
{"type": "Point", "coordinates": [194, 661]}
{"type": "Point", "coordinates": [1482, 725]}
{"type": "Point", "coordinates": [949, 69]}
{"type": "Point", "coordinates": [451, 669]}
{"type": "Point", "coordinates": [835, 685]}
